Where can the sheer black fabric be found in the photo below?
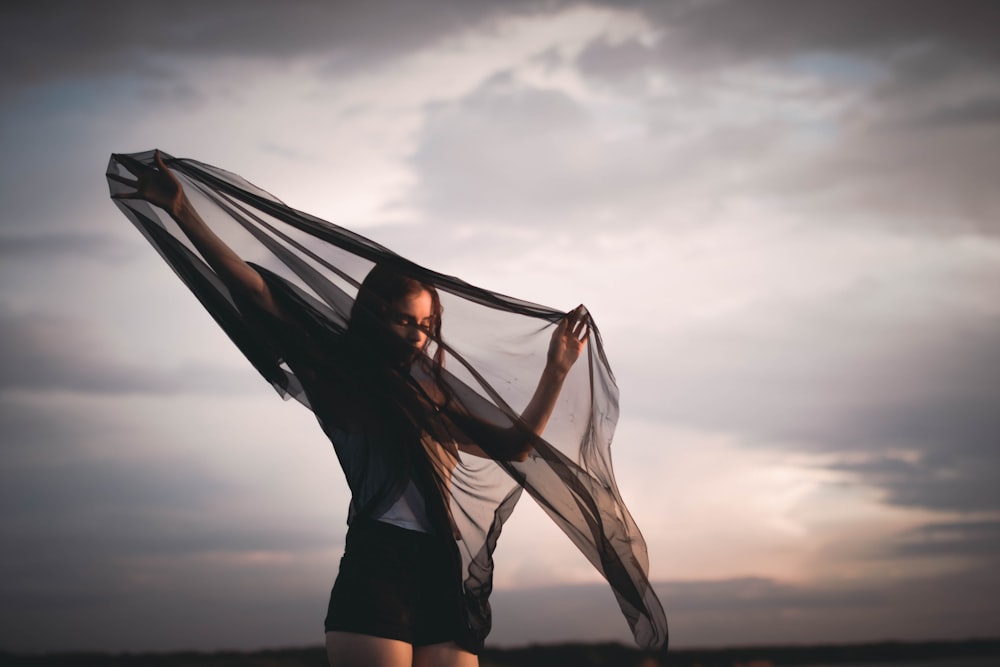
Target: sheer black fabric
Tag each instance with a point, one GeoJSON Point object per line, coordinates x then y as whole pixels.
{"type": "Point", "coordinates": [494, 351]}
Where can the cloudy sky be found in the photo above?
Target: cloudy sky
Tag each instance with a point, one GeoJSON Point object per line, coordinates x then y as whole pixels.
{"type": "Point", "coordinates": [784, 216]}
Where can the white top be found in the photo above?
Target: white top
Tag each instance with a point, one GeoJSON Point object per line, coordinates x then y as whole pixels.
{"type": "Point", "coordinates": [408, 511]}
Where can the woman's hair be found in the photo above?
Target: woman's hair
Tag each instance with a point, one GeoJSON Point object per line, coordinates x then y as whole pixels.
{"type": "Point", "coordinates": [391, 401]}
{"type": "Point", "coordinates": [381, 288]}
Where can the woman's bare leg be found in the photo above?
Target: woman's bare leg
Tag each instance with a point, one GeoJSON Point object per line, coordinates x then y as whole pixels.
{"type": "Point", "coordinates": [443, 655]}
{"type": "Point", "coordinates": [348, 649]}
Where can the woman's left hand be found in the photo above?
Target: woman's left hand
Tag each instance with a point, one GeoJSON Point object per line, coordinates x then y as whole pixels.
{"type": "Point", "coordinates": [568, 340]}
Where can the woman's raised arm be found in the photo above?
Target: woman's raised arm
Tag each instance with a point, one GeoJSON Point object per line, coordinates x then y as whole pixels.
{"type": "Point", "coordinates": [565, 347]}
{"type": "Point", "coordinates": [160, 187]}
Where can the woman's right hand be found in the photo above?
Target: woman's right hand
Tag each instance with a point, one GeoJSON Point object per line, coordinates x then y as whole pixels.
{"type": "Point", "coordinates": [157, 185]}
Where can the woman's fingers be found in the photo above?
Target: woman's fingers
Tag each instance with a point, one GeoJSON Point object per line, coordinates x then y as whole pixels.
{"type": "Point", "coordinates": [582, 330]}
{"type": "Point", "coordinates": [162, 164]}
{"type": "Point", "coordinates": [158, 158]}
{"type": "Point", "coordinates": [562, 325]}
{"type": "Point", "coordinates": [154, 183]}
{"type": "Point", "coordinates": [575, 323]}
{"type": "Point", "coordinates": [569, 338]}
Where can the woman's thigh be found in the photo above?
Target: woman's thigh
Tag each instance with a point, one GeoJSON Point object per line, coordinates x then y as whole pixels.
{"type": "Point", "coordinates": [443, 655]}
{"type": "Point", "coordinates": [348, 649]}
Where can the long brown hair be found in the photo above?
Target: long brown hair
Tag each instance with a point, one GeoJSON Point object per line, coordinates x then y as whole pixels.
{"type": "Point", "coordinates": [392, 402]}
{"type": "Point", "coordinates": [382, 287]}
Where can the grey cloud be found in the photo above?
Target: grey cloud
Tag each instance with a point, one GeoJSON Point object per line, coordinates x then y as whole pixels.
{"type": "Point", "coordinates": [99, 543]}
{"type": "Point", "coordinates": [516, 132]}
{"type": "Point", "coordinates": [967, 482]}
{"type": "Point", "coordinates": [773, 28]}
{"type": "Point", "coordinates": [81, 491]}
{"type": "Point", "coordinates": [550, 59]}
{"type": "Point", "coordinates": [66, 587]}
{"type": "Point", "coordinates": [918, 168]}
{"type": "Point", "coordinates": [114, 37]}
{"type": "Point", "coordinates": [39, 434]}
{"type": "Point", "coordinates": [915, 142]}
{"type": "Point", "coordinates": [517, 155]}
{"type": "Point", "coordinates": [49, 473]}
{"type": "Point", "coordinates": [975, 539]}
{"type": "Point", "coordinates": [539, 158]}
{"type": "Point", "coordinates": [923, 40]}
{"type": "Point", "coordinates": [854, 378]}
{"type": "Point", "coordinates": [50, 352]}
{"type": "Point", "coordinates": [95, 509]}
{"type": "Point", "coordinates": [760, 610]}
{"type": "Point", "coordinates": [620, 65]}
{"type": "Point", "coordinates": [834, 377]}
{"type": "Point", "coordinates": [984, 110]}
{"type": "Point", "coordinates": [34, 247]}
{"type": "Point", "coordinates": [112, 550]}
{"type": "Point", "coordinates": [518, 613]}
{"type": "Point", "coordinates": [752, 592]}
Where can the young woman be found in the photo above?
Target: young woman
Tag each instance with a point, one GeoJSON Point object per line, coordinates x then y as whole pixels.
{"type": "Point", "coordinates": [397, 597]}
{"type": "Point", "coordinates": [434, 453]}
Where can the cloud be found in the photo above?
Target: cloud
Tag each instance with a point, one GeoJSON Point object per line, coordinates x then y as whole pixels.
{"type": "Point", "coordinates": [894, 386]}
{"type": "Point", "coordinates": [964, 539]}
{"type": "Point", "coordinates": [115, 38]}
{"type": "Point", "coordinates": [756, 610]}
{"type": "Point", "coordinates": [44, 352]}
{"type": "Point", "coordinates": [517, 156]}
{"type": "Point", "coordinates": [118, 521]}
{"type": "Point", "coordinates": [828, 139]}
{"type": "Point", "coordinates": [985, 110]}
{"type": "Point", "coordinates": [94, 508]}
{"type": "Point", "coordinates": [522, 166]}
{"type": "Point", "coordinates": [881, 114]}
{"type": "Point", "coordinates": [959, 481]}
{"type": "Point", "coordinates": [117, 546]}
{"type": "Point", "coordinates": [916, 168]}
{"type": "Point", "coordinates": [774, 29]}
{"type": "Point", "coordinates": [55, 246]}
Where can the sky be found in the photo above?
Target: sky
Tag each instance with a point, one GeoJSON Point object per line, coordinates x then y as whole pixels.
{"type": "Point", "coordinates": [784, 217]}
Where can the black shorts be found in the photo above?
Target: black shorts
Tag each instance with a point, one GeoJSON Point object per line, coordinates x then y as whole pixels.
{"type": "Point", "coordinates": [399, 584]}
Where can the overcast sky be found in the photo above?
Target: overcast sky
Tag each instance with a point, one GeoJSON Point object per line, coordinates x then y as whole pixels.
{"type": "Point", "coordinates": [783, 215]}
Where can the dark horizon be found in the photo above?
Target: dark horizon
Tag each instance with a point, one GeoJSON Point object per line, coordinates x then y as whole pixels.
{"type": "Point", "coordinates": [576, 653]}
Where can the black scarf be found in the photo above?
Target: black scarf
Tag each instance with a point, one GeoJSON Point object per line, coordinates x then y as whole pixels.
{"type": "Point", "coordinates": [495, 348]}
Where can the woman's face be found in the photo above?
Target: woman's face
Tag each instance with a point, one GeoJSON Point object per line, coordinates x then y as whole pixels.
{"type": "Point", "coordinates": [411, 317]}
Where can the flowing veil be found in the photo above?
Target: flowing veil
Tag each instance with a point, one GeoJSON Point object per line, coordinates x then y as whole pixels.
{"type": "Point", "coordinates": [495, 350]}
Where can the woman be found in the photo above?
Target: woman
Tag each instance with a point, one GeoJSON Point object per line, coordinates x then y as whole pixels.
{"type": "Point", "coordinates": [417, 570]}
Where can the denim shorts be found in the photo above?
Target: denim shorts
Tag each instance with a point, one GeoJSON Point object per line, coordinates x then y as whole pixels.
{"type": "Point", "coordinates": [399, 584]}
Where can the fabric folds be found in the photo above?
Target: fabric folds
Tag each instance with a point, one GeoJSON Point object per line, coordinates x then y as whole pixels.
{"type": "Point", "coordinates": [494, 350]}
